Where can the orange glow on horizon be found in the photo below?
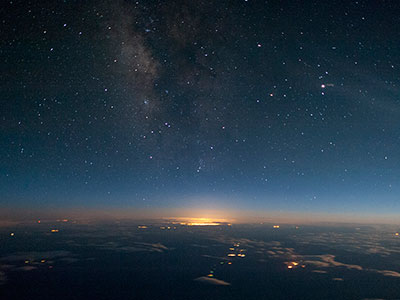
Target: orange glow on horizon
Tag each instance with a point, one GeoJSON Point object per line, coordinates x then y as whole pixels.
{"type": "Point", "coordinates": [226, 214]}
{"type": "Point", "coordinates": [200, 221]}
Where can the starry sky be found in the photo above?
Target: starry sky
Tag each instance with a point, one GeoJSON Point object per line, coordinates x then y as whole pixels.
{"type": "Point", "coordinates": [248, 105]}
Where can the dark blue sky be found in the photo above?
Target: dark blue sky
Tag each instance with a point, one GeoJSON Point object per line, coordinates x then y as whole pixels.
{"type": "Point", "coordinates": [257, 105]}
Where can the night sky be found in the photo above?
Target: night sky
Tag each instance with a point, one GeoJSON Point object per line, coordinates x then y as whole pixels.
{"type": "Point", "coordinates": [247, 105]}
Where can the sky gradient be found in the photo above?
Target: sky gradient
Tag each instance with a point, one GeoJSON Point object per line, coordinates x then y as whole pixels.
{"type": "Point", "coordinates": [229, 105]}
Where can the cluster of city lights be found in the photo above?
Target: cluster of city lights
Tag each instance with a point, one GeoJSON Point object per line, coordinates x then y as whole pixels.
{"type": "Point", "coordinates": [293, 264]}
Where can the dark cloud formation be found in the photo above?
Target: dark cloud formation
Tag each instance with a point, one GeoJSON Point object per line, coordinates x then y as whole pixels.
{"type": "Point", "coordinates": [33, 260]}
{"type": "Point", "coordinates": [372, 242]}
{"type": "Point", "coordinates": [223, 259]}
{"type": "Point", "coordinates": [35, 256]}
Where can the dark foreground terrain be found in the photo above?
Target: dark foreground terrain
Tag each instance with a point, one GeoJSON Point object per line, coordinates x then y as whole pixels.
{"type": "Point", "coordinates": [163, 260]}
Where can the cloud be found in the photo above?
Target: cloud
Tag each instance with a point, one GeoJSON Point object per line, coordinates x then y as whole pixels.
{"type": "Point", "coordinates": [248, 243]}
{"type": "Point", "coordinates": [28, 261]}
{"type": "Point", "coordinates": [374, 241]}
{"type": "Point", "coordinates": [378, 250]}
{"type": "Point", "coordinates": [330, 259]}
{"type": "Point", "coordinates": [212, 281]}
{"type": "Point", "coordinates": [320, 271]}
{"type": "Point", "coordinates": [317, 263]}
{"type": "Point", "coordinates": [32, 256]}
{"type": "Point", "coordinates": [323, 261]}
{"type": "Point", "coordinates": [388, 273]}
{"type": "Point", "coordinates": [159, 246]}
{"type": "Point", "coordinates": [136, 247]}
{"type": "Point", "coordinates": [370, 241]}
